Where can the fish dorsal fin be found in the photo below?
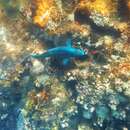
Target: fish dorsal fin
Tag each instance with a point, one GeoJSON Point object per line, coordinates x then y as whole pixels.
{"type": "Point", "coordinates": [69, 42]}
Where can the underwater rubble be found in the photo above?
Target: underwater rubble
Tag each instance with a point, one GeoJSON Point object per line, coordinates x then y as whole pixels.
{"type": "Point", "coordinates": [88, 92]}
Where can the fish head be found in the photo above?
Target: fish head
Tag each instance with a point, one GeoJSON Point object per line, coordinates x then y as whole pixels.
{"type": "Point", "coordinates": [80, 53]}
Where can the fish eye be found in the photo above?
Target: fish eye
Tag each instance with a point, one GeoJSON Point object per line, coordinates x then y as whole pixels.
{"type": "Point", "coordinates": [85, 51]}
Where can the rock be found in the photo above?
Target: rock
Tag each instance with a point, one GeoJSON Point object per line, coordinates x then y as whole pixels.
{"type": "Point", "coordinates": [37, 67]}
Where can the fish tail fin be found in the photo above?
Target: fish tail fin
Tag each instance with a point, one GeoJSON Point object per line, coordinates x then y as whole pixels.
{"type": "Point", "coordinates": [40, 56]}
{"type": "Point", "coordinates": [65, 61]}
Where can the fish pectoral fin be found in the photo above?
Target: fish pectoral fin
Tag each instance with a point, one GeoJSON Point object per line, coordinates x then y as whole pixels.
{"type": "Point", "coordinates": [69, 42]}
{"type": "Point", "coordinates": [65, 61]}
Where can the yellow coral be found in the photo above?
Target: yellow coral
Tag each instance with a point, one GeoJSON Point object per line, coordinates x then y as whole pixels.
{"type": "Point", "coordinates": [104, 7]}
{"type": "Point", "coordinates": [42, 14]}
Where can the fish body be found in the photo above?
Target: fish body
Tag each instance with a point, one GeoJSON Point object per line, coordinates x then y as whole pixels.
{"type": "Point", "coordinates": [61, 52]}
{"type": "Point", "coordinates": [64, 53]}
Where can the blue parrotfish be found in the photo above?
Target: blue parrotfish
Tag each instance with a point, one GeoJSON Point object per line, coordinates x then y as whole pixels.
{"type": "Point", "coordinates": [62, 53]}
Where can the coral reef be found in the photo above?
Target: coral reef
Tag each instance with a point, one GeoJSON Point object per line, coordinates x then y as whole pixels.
{"type": "Point", "coordinates": [50, 107]}
{"type": "Point", "coordinates": [91, 92]}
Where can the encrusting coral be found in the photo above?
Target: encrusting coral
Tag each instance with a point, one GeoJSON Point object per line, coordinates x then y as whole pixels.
{"type": "Point", "coordinates": [43, 11]}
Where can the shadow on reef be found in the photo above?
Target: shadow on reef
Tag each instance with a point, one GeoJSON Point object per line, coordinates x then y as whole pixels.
{"type": "Point", "coordinates": [123, 10]}
{"type": "Point", "coordinates": [56, 63]}
{"type": "Point", "coordinates": [82, 17]}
